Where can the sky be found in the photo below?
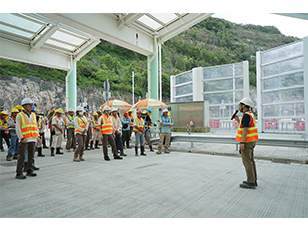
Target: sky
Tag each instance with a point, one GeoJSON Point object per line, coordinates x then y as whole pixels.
{"type": "Point", "coordinates": [287, 25]}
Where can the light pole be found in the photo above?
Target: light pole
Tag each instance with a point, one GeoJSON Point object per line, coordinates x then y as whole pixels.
{"type": "Point", "coordinates": [133, 83]}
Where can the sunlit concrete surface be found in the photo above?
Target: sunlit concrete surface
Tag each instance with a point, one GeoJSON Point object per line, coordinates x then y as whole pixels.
{"type": "Point", "coordinates": [179, 185]}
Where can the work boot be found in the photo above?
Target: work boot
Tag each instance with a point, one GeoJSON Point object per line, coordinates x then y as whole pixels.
{"type": "Point", "coordinates": [151, 149]}
{"type": "Point", "coordinates": [166, 150]}
{"type": "Point", "coordinates": [20, 176]}
{"type": "Point", "coordinates": [39, 150]}
{"type": "Point", "coordinates": [122, 153]}
{"type": "Point", "coordinates": [52, 151]}
{"type": "Point", "coordinates": [96, 144]}
{"type": "Point", "coordinates": [159, 150]}
{"type": "Point", "coordinates": [142, 151]}
{"type": "Point", "coordinates": [81, 156]}
{"type": "Point", "coordinates": [107, 158]}
{"type": "Point", "coordinates": [76, 157]}
{"type": "Point", "coordinates": [30, 173]}
{"type": "Point", "coordinates": [8, 159]}
{"type": "Point", "coordinates": [127, 145]}
{"type": "Point", "coordinates": [68, 150]}
{"type": "Point", "coordinates": [91, 145]}
{"type": "Point", "coordinates": [117, 157]}
{"type": "Point", "coordinates": [136, 151]}
{"type": "Point", "coordinates": [248, 185]}
{"type": "Point", "coordinates": [58, 151]}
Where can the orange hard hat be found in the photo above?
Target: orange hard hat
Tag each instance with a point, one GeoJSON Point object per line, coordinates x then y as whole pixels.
{"type": "Point", "coordinates": [139, 112]}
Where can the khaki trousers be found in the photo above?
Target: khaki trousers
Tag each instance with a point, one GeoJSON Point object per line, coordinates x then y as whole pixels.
{"type": "Point", "coordinates": [81, 139]}
{"type": "Point", "coordinates": [248, 161]}
{"type": "Point", "coordinates": [96, 136]}
{"type": "Point", "coordinates": [161, 139]}
{"type": "Point", "coordinates": [56, 141]}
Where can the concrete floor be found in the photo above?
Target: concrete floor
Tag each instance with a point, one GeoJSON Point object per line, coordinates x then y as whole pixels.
{"type": "Point", "coordinates": [178, 185]}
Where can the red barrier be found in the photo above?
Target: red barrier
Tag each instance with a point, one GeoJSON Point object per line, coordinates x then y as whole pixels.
{"type": "Point", "coordinates": [300, 125]}
{"type": "Point", "coordinates": [271, 124]}
{"type": "Point", "coordinates": [214, 123]}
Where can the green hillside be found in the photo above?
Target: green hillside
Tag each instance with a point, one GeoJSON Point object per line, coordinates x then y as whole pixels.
{"type": "Point", "coordinates": [212, 42]}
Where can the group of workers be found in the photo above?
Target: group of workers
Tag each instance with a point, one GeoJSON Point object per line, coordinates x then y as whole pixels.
{"type": "Point", "coordinates": [23, 132]}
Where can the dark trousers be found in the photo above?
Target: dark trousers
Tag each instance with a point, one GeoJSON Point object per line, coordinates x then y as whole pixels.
{"type": "Point", "coordinates": [89, 135]}
{"type": "Point", "coordinates": [125, 137]}
{"type": "Point", "coordinates": [5, 136]}
{"type": "Point", "coordinates": [43, 139]}
{"type": "Point", "coordinates": [22, 150]}
{"type": "Point", "coordinates": [71, 139]}
{"type": "Point", "coordinates": [109, 138]}
{"type": "Point", "coordinates": [147, 138]}
{"type": "Point", "coordinates": [118, 141]}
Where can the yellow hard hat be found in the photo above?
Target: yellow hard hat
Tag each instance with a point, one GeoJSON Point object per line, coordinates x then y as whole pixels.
{"type": "Point", "coordinates": [4, 113]}
{"type": "Point", "coordinates": [14, 109]}
{"type": "Point", "coordinates": [59, 110]}
{"type": "Point", "coordinates": [95, 113]}
{"type": "Point", "coordinates": [19, 107]}
{"type": "Point", "coordinates": [144, 112]}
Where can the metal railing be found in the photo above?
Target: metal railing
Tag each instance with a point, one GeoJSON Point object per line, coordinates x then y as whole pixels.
{"type": "Point", "coordinates": [281, 142]}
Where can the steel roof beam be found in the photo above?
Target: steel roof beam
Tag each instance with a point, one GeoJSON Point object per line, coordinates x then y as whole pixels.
{"type": "Point", "coordinates": [128, 19]}
{"type": "Point", "coordinates": [43, 38]}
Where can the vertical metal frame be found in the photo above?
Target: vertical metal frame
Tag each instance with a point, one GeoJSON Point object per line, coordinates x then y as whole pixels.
{"type": "Point", "coordinates": [305, 60]}
{"type": "Point", "coordinates": [259, 90]}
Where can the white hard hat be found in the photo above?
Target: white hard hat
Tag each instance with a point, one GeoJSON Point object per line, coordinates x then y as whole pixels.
{"type": "Point", "coordinates": [106, 108]}
{"type": "Point", "coordinates": [114, 109]}
{"type": "Point", "coordinates": [79, 108]}
{"type": "Point", "coordinates": [71, 109]}
{"type": "Point", "coordinates": [165, 110]}
{"type": "Point", "coordinates": [247, 101]}
{"type": "Point", "coordinates": [26, 101]}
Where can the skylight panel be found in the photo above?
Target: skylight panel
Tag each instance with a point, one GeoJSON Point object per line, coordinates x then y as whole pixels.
{"type": "Point", "coordinates": [149, 22]}
{"type": "Point", "coordinates": [165, 17]}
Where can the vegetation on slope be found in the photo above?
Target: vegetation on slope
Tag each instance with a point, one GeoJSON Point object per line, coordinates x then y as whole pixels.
{"type": "Point", "coordinates": [211, 42]}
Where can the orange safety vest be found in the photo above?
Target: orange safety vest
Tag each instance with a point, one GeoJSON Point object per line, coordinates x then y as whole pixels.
{"type": "Point", "coordinates": [252, 134]}
{"type": "Point", "coordinates": [4, 125]}
{"type": "Point", "coordinates": [28, 129]}
{"type": "Point", "coordinates": [140, 124]}
{"type": "Point", "coordinates": [81, 124]}
{"type": "Point", "coordinates": [96, 125]}
{"type": "Point", "coordinates": [107, 126]}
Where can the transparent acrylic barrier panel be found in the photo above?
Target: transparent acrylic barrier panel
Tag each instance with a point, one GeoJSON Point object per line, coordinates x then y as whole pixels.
{"type": "Point", "coordinates": [184, 78]}
{"type": "Point", "coordinates": [183, 90]}
{"type": "Point", "coordinates": [184, 99]}
{"type": "Point", "coordinates": [283, 81]}
{"type": "Point", "coordinates": [221, 85]}
{"type": "Point", "coordinates": [283, 95]}
{"type": "Point", "coordinates": [284, 110]}
{"type": "Point", "coordinates": [217, 72]}
{"type": "Point", "coordinates": [238, 69]}
{"type": "Point", "coordinates": [282, 53]}
{"type": "Point", "coordinates": [286, 66]}
{"type": "Point", "coordinates": [226, 97]}
{"type": "Point", "coordinates": [221, 111]}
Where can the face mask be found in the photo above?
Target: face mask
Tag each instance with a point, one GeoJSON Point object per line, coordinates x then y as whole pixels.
{"type": "Point", "coordinates": [80, 113]}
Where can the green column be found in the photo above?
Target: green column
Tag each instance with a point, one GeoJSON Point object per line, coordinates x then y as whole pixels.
{"type": "Point", "coordinates": [154, 80]}
{"type": "Point", "coordinates": [72, 87]}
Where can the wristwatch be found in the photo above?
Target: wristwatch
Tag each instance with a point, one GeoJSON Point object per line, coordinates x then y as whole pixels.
{"type": "Point", "coordinates": [242, 142]}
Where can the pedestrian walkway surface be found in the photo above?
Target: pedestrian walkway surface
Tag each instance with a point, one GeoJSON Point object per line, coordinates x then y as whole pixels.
{"type": "Point", "coordinates": [175, 185]}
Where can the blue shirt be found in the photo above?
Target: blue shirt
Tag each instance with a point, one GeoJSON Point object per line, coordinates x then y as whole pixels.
{"type": "Point", "coordinates": [125, 120]}
{"type": "Point", "coordinates": [165, 127]}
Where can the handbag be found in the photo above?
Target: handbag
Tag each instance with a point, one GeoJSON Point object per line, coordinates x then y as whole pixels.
{"type": "Point", "coordinates": [125, 126]}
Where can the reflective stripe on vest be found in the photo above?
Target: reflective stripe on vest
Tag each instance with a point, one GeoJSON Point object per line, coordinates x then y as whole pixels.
{"type": "Point", "coordinates": [252, 134]}
{"type": "Point", "coordinates": [4, 125]}
{"type": "Point", "coordinates": [28, 129]}
{"type": "Point", "coordinates": [107, 126]}
{"type": "Point", "coordinates": [140, 124]}
{"type": "Point", "coordinates": [96, 125]}
{"type": "Point", "coordinates": [40, 123]}
{"type": "Point", "coordinates": [81, 124]}
{"type": "Point", "coordinates": [70, 118]}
